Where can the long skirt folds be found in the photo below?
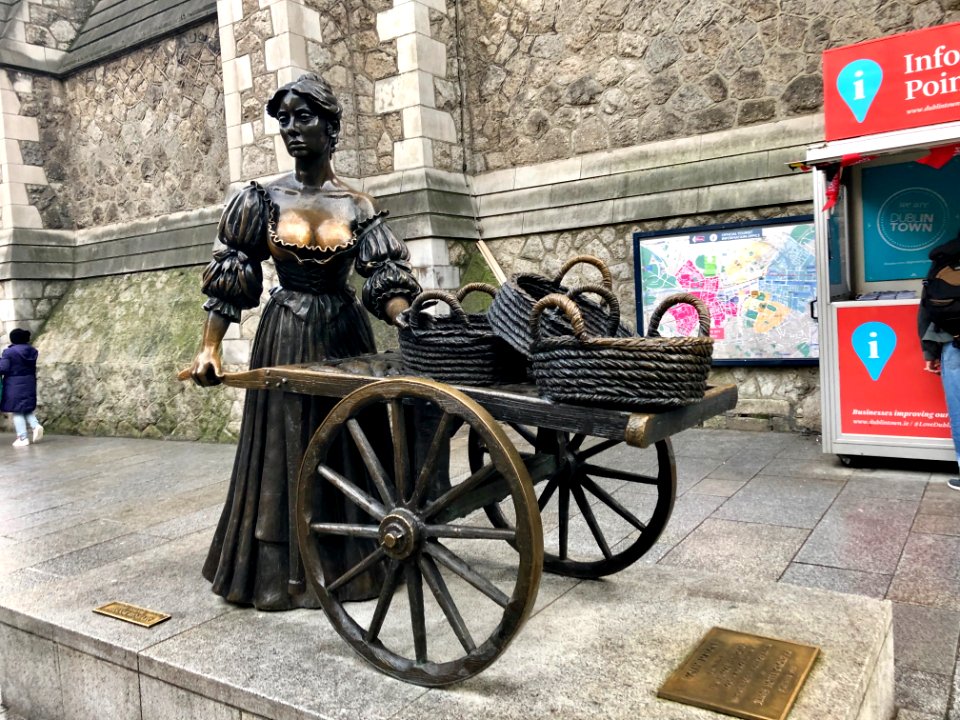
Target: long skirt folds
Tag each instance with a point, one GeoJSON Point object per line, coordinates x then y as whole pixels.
{"type": "Point", "coordinates": [254, 557]}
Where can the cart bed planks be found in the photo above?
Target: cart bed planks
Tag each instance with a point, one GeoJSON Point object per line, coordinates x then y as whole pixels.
{"type": "Point", "coordinates": [508, 403]}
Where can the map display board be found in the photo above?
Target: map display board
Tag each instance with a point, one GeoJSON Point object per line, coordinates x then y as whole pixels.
{"type": "Point", "coordinates": [757, 279]}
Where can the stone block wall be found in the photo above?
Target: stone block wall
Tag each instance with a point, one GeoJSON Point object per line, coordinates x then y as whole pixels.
{"type": "Point", "coordinates": [549, 80]}
{"type": "Point", "coordinates": [136, 137]}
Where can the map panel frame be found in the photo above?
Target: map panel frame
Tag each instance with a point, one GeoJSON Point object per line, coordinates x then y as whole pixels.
{"type": "Point", "coordinates": [759, 281]}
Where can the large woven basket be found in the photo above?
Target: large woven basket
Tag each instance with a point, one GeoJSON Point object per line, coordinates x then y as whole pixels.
{"type": "Point", "coordinates": [648, 372]}
{"type": "Point", "coordinates": [510, 312]}
{"type": "Point", "coordinates": [454, 348]}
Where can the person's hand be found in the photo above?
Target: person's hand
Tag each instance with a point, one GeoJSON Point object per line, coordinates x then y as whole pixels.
{"type": "Point", "coordinates": [206, 369]}
{"type": "Point", "coordinates": [402, 320]}
{"type": "Point", "coordinates": [932, 366]}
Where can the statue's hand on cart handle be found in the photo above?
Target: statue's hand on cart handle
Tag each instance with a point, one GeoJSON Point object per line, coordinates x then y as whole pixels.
{"type": "Point", "coordinates": [206, 369]}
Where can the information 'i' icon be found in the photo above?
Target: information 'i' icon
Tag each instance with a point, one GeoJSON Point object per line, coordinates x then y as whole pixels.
{"type": "Point", "coordinates": [874, 343]}
{"type": "Point", "coordinates": [858, 84]}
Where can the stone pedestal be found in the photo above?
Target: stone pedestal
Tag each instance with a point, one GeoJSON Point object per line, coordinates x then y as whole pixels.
{"type": "Point", "coordinates": [592, 649]}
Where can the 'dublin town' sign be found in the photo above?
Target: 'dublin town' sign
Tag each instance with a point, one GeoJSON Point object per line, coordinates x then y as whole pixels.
{"type": "Point", "coordinates": [740, 674]}
{"type": "Point", "coordinates": [897, 82]}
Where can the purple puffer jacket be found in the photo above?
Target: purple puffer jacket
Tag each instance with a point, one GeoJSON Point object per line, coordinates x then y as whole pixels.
{"type": "Point", "coordinates": [18, 366]}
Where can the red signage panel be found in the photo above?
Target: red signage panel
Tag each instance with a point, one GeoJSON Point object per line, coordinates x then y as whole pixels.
{"type": "Point", "coordinates": [884, 389]}
{"type": "Point", "coordinates": [897, 82]}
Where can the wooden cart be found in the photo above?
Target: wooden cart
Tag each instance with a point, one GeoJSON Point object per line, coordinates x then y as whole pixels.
{"type": "Point", "coordinates": [478, 541]}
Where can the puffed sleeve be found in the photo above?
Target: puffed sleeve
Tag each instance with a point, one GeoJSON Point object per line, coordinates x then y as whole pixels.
{"type": "Point", "coordinates": [234, 278]}
{"type": "Point", "coordinates": [385, 261]}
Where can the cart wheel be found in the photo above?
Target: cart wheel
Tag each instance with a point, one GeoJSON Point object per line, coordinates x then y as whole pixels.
{"type": "Point", "coordinates": [467, 564]}
{"type": "Point", "coordinates": [615, 515]}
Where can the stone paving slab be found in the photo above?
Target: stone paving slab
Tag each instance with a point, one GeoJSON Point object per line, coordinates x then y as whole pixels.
{"type": "Point", "coordinates": [860, 533]}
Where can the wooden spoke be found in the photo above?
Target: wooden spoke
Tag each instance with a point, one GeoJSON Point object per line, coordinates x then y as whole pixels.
{"type": "Point", "coordinates": [611, 502]}
{"type": "Point", "coordinates": [564, 519]}
{"type": "Point", "coordinates": [525, 432]}
{"type": "Point", "coordinates": [469, 532]}
{"type": "Point", "coordinates": [455, 563]}
{"type": "Point", "coordinates": [370, 459]}
{"type": "Point", "coordinates": [548, 491]}
{"type": "Point", "coordinates": [431, 573]}
{"type": "Point", "coordinates": [440, 438]}
{"type": "Point", "coordinates": [619, 474]}
{"type": "Point", "coordinates": [355, 494]}
{"type": "Point", "coordinates": [591, 519]}
{"type": "Point", "coordinates": [365, 531]}
{"type": "Point", "coordinates": [387, 590]}
{"type": "Point", "coordinates": [455, 493]}
{"type": "Point", "coordinates": [402, 481]}
{"type": "Point", "coordinates": [597, 449]}
{"type": "Point", "coordinates": [417, 622]}
{"type": "Point", "coordinates": [401, 450]}
{"type": "Point", "coordinates": [368, 562]}
{"type": "Point", "coordinates": [575, 442]}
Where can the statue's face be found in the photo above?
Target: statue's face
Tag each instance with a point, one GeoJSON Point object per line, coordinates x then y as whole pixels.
{"type": "Point", "coordinates": [303, 131]}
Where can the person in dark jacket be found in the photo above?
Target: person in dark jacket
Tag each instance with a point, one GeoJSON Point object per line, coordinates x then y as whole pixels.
{"type": "Point", "coordinates": [18, 368]}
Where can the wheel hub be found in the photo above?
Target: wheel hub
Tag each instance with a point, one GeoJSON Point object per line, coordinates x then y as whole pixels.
{"type": "Point", "coordinates": [400, 534]}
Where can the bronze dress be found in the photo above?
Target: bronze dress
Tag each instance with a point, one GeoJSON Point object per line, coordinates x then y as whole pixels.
{"type": "Point", "coordinates": [313, 314]}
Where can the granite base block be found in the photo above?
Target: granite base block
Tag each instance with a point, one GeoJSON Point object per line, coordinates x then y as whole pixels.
{"type": "Point", "coordinates": [600, 649]}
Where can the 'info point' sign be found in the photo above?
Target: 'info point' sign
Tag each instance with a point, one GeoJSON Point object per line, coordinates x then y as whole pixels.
{"type": "Point", "coordinates": [897, 82]}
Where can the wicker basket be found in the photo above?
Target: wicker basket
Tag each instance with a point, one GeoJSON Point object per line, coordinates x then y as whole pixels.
{"type": "Point", "coordinates": [510, 365]}
{"type": "Point", "coordinates": [510, 312]}
{"type": "Point", "coordinates": [649, 372]}
{"type": "Point", "coordinates": [452, 348]}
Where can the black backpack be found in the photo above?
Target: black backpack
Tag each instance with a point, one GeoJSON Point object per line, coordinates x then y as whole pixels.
{"type": "Point", "coordinates": [941, 288]}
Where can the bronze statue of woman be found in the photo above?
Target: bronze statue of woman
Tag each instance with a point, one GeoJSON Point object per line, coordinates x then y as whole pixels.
{"type": "Point", "coordinates": [315, 228]}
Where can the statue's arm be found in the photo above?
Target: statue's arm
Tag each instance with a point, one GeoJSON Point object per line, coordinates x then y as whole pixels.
{"type": "Point", "coordinates": [206, 369]}
{"type": "Point", "coordinates": [233, 281]}
{"type": "Point", "coordinates": [384, 261]}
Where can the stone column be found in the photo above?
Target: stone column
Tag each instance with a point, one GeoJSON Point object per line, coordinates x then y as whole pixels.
{"type": "Point", "coordinates": [25, 297]}
{"type": "Point", "coordinates": [420, 59]}
{"type": "Point", "coordinates": [263, 46]}
{"type": "Point", "coordinates": [15, 175]}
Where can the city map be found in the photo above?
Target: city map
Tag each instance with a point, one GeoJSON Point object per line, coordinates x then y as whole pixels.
{"type": "Point", "coordinates": [757, 283]}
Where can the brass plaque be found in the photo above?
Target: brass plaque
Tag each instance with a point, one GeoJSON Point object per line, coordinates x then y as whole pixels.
{"type": "Point", "coordinates": [132, 614]}
{"type": "Point", "coordinates": [747, 676]}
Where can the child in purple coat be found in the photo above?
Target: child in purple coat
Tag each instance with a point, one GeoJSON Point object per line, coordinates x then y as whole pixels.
{"type": "Point", "coordinates": [18, 368]}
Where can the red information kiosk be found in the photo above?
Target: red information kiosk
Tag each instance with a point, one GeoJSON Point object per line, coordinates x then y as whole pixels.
{"type": "Point", "coordinates": [886, 191]}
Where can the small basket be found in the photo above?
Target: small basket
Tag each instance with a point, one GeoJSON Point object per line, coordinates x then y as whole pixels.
{"type": "Point", "coordinates": [510, 312]}
{"type": "Point", "coordinates": [453, 348]}
{"type": "Point", "coordinates": [649, 372]}
{"type": "Point", "coordinates": [511, 366]}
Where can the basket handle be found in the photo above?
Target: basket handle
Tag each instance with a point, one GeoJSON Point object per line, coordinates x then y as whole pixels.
{"type": "Point", "coordinates": [587, 260]}
{"type": "Point", "coordinates": [569, 308]}
{"type": "Point", "coordinates": [455, 310]}
{"type": "Point", "coordinates": [476, 287]}
{"type": "Point", "coordinates": [680, 299]}
{"type": "Point", "coordinates": [613, 305]}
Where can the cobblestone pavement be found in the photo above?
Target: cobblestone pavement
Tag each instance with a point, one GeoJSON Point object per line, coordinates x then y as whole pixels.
{"type": "Point", "coordinates": [761, 506]}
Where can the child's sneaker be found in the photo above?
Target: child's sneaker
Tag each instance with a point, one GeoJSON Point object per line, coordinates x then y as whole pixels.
{"type": "Point", "coordinates": [953, 483]}
{"type": "Point", "coordinates": [21, 442]}
{"type": "Point", "coordinates": [38, 433]}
